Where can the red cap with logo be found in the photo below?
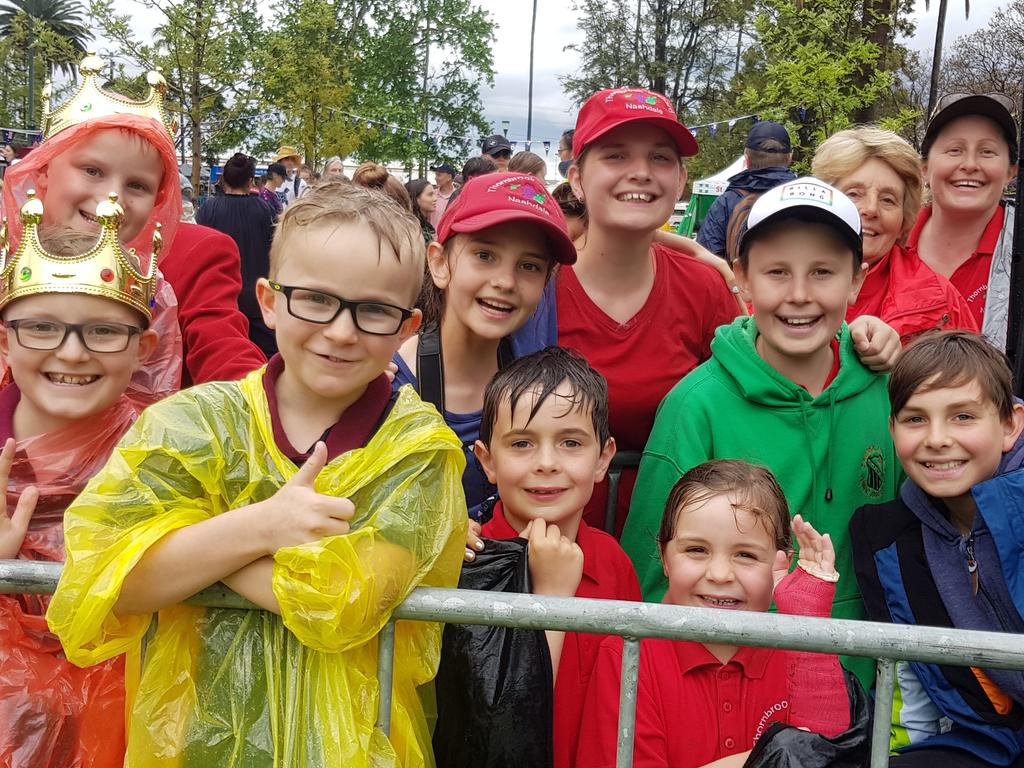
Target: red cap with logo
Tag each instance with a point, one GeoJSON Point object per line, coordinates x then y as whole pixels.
{"type": "Point", "coordinates": [496, 198]}
{"type": "Point", "coordinates": [613, 107]}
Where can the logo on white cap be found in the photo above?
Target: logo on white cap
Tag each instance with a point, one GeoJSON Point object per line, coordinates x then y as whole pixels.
{"type": "Point", "coordinates": [807, 192]}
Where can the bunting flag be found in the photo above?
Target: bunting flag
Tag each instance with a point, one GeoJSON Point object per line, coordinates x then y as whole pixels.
{"type": "Point", "coordinates": [547, 148]}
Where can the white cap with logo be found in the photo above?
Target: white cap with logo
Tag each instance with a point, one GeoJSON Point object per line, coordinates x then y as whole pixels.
{"type": "Point", "coordinates": [811, 200]}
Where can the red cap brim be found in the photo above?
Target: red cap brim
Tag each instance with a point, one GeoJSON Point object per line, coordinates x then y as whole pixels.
{"type": "Point", "coordinates": [564, 250]}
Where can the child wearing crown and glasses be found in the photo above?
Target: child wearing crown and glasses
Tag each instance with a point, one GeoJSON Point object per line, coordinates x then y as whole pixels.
{"type": "Point", "coordinates": [97, 143]}
{"type": "Point", "coordinates": [75, 314]}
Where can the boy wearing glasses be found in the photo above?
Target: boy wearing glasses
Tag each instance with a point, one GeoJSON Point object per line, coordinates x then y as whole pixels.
{"type": "Point", "coordinates": [309, 489]}
{"type": "Point", "coordinates": [74, 327]}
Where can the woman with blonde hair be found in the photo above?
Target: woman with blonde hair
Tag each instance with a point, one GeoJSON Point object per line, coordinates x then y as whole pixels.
{"type": "Point", "coordinates": [881, 173]}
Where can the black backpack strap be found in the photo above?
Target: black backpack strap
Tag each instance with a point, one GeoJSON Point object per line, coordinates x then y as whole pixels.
{"type": "Point", "coordinates": [430, 365]}
{"type": "Point", "coordinates": [430, 368]}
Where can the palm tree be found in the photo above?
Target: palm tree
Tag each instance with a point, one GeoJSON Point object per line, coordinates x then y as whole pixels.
{"type": "Point", "coordinates": [940, 29]}
{"type": "Point", "coordinates": [65, 18]}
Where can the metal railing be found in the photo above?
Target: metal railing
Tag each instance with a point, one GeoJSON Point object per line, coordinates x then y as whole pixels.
{"type": "Point", "coordinates": [887, 643]}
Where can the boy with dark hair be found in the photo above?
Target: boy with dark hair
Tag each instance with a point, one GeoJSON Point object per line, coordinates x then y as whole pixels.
{"type": "Point", "coordinates": [946, 552]}
{"type": "Point", "coordinates": [784, 387]}
{"type": "Point", "coordinates": [307, 488]}
{"type": "Point", "coordinates": [544, 441]}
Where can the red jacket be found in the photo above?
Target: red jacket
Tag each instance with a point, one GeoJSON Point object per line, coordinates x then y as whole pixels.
{"type": "Point", "coordinates": [904, 292]}
{"type": "Point", "coordinates": [202, 265]}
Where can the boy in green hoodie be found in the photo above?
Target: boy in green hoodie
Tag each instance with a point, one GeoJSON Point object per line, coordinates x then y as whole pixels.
{"type": "Point", "coordinates": [783, 388]}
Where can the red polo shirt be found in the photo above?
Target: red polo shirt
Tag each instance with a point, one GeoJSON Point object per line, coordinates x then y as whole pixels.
{"type": "Point", "coordinates": [691, 709]}
{"type": "Point", "coordinates": [643, 358]}
{"type": "Point", "coordinates": [971, 277]}
{"type": "Point", "coordinates": [357, 425]}
{"type": "Point", "coordinates": [607, 574]}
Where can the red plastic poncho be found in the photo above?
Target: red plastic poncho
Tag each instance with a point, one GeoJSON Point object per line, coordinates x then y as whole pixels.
{"type": "Point", "coordinates": [54, 714]}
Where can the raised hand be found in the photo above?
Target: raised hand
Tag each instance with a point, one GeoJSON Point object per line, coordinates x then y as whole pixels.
{"type": "Point", "coordinates": [556, 564]}
{"type": "Point", "coordinates": [13, 528]}
{"type": "Point", "coordinates": [817, 555]}
{"type": "Point", "coordinates": [297, 514]}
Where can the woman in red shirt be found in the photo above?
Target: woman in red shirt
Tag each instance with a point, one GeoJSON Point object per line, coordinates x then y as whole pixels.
{"type": "Point", "coordinates": [881, 173]}
{"type": "Point", "coordinates": [970, 155]}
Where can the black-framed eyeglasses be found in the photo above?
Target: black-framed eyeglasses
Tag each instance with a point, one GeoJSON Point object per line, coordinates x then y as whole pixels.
{"type": "Point", "coordinates": [46, 335]}
{"type": "Point", "coordinates": [371, 317]}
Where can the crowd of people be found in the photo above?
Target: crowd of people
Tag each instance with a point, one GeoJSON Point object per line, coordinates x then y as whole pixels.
{"type": "Point", "coordinates": [326, 393]}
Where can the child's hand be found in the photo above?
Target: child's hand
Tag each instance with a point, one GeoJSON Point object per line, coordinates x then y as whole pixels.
{"type": "Point", "coordinates": [817, 555]}
{"type": "Point", "coordinates": [556, 564]}
{"type": "Point", "coordinates": [13, 528]}
{"type": "Point", "coordinates": [297, 514]}
{"type": "Point", "coordinates": [474, 543]}
{"type": "Point", "coordinates": [877, 344]}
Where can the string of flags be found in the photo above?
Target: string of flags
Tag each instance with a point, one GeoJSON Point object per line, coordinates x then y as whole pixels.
{"type": "Point", "coordinates": [7, 135]}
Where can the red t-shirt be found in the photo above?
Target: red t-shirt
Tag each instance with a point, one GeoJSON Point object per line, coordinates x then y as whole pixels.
{"type": "Point", "coordinates": [691, 709]}
{"type": "Point", "coordinates": [971, 277]}
{"type": "Point", "coordinates": [357, 425]}
{"type": "Point", "coordinates": [643, 358]}
{"type": "Point", "coordinates": [607, 574]}
{"type": "Point", "coordinates": [203, 267]}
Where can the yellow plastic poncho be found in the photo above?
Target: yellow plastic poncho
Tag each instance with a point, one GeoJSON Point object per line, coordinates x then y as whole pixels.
{"type": "Point", "coordinates": [248, 689]}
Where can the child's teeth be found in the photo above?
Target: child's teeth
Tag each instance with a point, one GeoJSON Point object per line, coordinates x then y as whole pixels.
{"type": "Point", "coordinates": [61, 378]}
{"type": "Point", "coordinates": [942, 465]}
{"type": "Point", "coordinates": [800, 321]}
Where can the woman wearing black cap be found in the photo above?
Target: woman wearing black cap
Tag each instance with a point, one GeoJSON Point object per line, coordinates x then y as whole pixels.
{"type": "Point", "coordinates": [970, 155]}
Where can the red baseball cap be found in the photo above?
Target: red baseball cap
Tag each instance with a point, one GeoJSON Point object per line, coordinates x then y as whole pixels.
{"type": "Point", "coordinates": [495, 198]}
{"type": "Point", "coordinates": [613, 107]}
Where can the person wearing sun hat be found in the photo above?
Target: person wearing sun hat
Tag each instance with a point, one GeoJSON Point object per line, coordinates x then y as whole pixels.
{"type": "Point", "coordinates": [965, 234]}
{"type": "Point", "coordinates": [294, 186]}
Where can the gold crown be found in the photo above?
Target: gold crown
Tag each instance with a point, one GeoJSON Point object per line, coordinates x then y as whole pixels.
{"type": "Point", "coordinates": [91, 101]}
{"type": "Point", "coordinates": [105, 270]}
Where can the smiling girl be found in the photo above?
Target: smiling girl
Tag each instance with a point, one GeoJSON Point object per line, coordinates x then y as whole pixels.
{"type": "Point", "coordinates": [496, 247]}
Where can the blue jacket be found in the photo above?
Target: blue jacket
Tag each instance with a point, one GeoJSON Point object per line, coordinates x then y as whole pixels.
{"type": "Point", "coordinates": [912, 567]}
{"type": "Point", "coordinates": [716, 224]}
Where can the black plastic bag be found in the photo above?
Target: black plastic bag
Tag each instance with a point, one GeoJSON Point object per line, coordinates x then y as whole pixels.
{"type": "Point", "coordinates": [494, 685]}
{"type": "Point", "coordinates": [785, 746]}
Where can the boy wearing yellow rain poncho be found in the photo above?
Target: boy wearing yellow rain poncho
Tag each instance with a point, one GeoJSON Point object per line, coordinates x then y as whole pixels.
{"type": "Point", "coordinates": [309, 489]}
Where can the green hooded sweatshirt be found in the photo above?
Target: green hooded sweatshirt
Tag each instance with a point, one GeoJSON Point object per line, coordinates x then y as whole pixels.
{"type": "Point", "coordinates": [831, 454]}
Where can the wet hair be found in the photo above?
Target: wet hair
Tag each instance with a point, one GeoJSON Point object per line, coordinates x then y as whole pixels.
{"type": "Point", "coordinates": [528, 162]}
{"type": "Point", "coordinates": [771, 155]}
{"type": "Point", "coordinates": [943, 359]}
{"type": "Point", "coordinates": [843, 153]}
{"type": "Point", "coordinates": [546, 370]}
{"type": "Point", "coordinates": [239, 171]}
{"type": "Point", "coordinates": [374, 176]}
{"type": "Point", "coordinates": [339, 202]}
{"type": "Point", "coordinates": [751, 488]}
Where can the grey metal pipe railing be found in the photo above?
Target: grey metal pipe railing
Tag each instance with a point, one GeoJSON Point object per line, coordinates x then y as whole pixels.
{"type": "Point", "coordinates": [886, 642]}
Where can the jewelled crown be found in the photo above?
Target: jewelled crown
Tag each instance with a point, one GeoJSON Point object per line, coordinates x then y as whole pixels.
{"type": "Point", "coordinates": [106, 269]}
{"type": "Point", "coordinates": [90, 101]}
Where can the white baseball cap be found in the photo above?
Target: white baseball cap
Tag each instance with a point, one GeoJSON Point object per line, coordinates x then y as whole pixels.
{"type": "Point", "coordinates": [810, 200]}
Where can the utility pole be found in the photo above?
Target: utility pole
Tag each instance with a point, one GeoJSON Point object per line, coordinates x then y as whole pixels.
{"type": "Point", "coordinates": [426, 93]}
{"type": "Point", "coordinates": [529, 102]}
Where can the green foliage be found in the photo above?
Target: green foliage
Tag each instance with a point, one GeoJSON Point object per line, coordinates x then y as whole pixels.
{"type": "Point", "coordinates": [815, 68]}
{"type": "Point", "coordinates": [205, 50]}
{"type": "Point", "coordinates": [686, 49]}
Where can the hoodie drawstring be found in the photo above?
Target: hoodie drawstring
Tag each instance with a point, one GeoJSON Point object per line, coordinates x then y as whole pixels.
{"type": "Point", "coordinates": [828, 443]}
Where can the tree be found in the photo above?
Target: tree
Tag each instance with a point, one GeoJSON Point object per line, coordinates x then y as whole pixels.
{"type": "Point", "coordinates": [409, 69]}
{"type": "Point", "coordinates": [685, 49]}
{"type": "Point", "coordinates": [989, 60]}
{"type": "Point", "coordinates": [205, 49]}
{"type": "Point", "coordinates": [51, 31]}
{"type": "Point", "coordinates": [815, 68]}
